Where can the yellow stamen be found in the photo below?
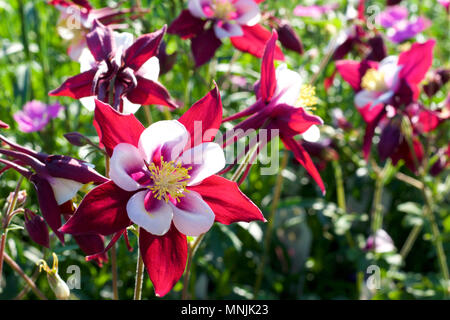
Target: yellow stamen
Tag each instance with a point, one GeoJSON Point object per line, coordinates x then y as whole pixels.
{"type": "Point", "coordinates": [169, 180]}
{"type": "Point", "coordinates": [307, 97]}
{"type": "Point", "coordinates": [222, 9]}
{"type": "Point", "coordinates": [373, 80]}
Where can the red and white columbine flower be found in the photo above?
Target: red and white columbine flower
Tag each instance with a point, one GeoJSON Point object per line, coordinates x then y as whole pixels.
{"type": "Point", "coordinates": [207, 22]}
{"type": "Point", "coordinates": [163, 179]}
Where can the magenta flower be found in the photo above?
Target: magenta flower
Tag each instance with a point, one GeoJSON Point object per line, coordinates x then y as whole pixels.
{"type": "Point", "coordinates": [207, 22]}
{"type": "Point", "coordinates": [394, 81]}
{"type": "Point", "coordinates": [282, 97]}
{"type": "Point", "coordinates": [315, 11]}
{"type": "Point", "coordinates": [77, 18]}
{"type": "Point", "coordinates": [380, 243]}
{"type": "Point", "coordinates": [163, 179]}
{"type": "Point", "coordinates": [115, 62]}
{"type": "Point", "coordinates": [445, 4]}
{"type": "Point", "coordinates": [400, 28]}
{"type": "Point", "coordinates": [35, 115]}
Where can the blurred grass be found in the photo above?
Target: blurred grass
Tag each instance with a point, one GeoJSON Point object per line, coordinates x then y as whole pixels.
{"type": "Point", "coordinates": [310, 256]}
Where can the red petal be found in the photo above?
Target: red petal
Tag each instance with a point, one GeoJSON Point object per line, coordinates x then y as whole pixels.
{"type": "Point", "coordinates": [186, 25]}
{"type": "Point", "coordinates": [145, 47]}
{"type": "Point", "coordinates": [76, 87]}
{"type": "Point", "coordinates": [292, 121]}
{"type": "Point", "coordinates": [48, 205]}
{"type": "Point", "coordinates": [149, 92]}
{"type": "Point", "coordinates": [114, 128]}
{"type": "Point", "coordinates": [254, 41]}
{"type": "Point", "coordinates": [203, 119]}
{"type": "Point", "coordinates": [268, 82]}
{"type": "Point", "coordinates": [204, 46]}
{"type": "Point", "coordinates": [4, 125]}
{"type": "Point", "coordinates": [353, 71]}
{"type": "Point", "coordinates": [102, 211]}
{"type": "Point", "coordinates": [164, 257]}
{"type": "Point", "coordinates": [92, 244]}
{"type": "Point", "coordinates": [227, 202]}
{"type": "Point", "coordinates": [416, 61]}
{"type": "Point", "coordinates": [305, 160]}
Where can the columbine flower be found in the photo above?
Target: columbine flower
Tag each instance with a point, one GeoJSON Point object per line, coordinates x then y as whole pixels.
{"type": "Point", "coordinates": [116, 68]}
{"type": "Point", "coordinates": [163, 179]}
{"type": "Point", "coordinates": [282, 97]}
{"type": "Point", "coordinates": [314, 11]}
{"type": "Point", "coordinates": [393, 82]}
{"type": "Point", "coordinates": [56, 178]}
{"type": "Point", "coordinates": [399, 27]}
{"type": "Point", "coordinates": [77, 19]}
{"type": "Point", "coordinates": [207, 22]}
{"type": "Point", "coordinates": [445, 4]}
{"type": "Point", "coordinates": [35, 115]}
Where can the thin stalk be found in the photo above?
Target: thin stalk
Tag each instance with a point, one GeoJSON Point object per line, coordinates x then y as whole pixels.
{"type": "Point", "coordinates": [407, 246]}
{"type": "Point", "coordinates": [139, 277]}
{"type": "Point", "coordinates": [270, 223]}
{"type": "Point", "coordinates": [191, 252]}
{"type": "Point", "coordinates": [27, 288]}
{"type": "Point", "coordinates": [27, 279]}
{"type": "Point", "coordinates": [7, 219]}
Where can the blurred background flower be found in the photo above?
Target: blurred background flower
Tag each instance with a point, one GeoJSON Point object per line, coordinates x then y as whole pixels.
{"type": "Point", "coordinates": [35, 115]}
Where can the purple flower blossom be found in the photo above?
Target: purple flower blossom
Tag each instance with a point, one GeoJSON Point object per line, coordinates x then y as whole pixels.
{"type": "Point", "coordinates": [400, 28]}
{"type": "Point", "coordinates": [314, 11]}
{"type": "Point", "coordinates": [35, 115]}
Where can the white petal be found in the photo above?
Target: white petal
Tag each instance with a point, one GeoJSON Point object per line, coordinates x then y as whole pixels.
{"type": "Point", "coordinates": [126, 158]}
{"type": "Point", "coordinates": [123, 41]}
{"type": "Point", "coordinates": [206, 159]}
{"type": "Point", "coordinates": [64, 189]}
{"type": "Point", "coordinates": [312, 134]}
{"type": "Point", "coordinates": [192, 216]}
{"type": "Point", "coordinates": [289, 84]}
{"type": "Point", "coordinates": [229, 30]}
{"type": "Point", "coordinates": [150, 69]}
{"type": "Point", "coordinates": [163, 132]}
{"type": "Point", "coordinates": [195, 7]}
{"type": "Point", "coordinates": [88, 102]}
{"type": "Point", "coordinates": [86, 60]}
{"type": "Point", "coordinates": [389, 66]}
{"type": "Point", "coordinates": [156, 222]}
{"type": "Point", "coordinates": [365, 97]}
{"type": "Point", "coordinates": [129, 107]}
{"type": "Point", "coordinates": [249, 11]}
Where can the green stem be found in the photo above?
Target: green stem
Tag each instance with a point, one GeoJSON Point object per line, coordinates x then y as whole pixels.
{"type": "Point", "coordinates": [5, 224]}
{"type": "Point", "coordinates": [139, 277]}
{"type": "Point", "coordinates": [270, 223]}
{"type": "Point", "coordinates": [191, 252]}
{"type": "Point", "coordinates": [114, 272]}
{"type": "Point", "coordinates": [412, 237]}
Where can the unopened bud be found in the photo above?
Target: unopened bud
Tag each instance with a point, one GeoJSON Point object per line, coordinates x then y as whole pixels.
{"type": "Point", "coordinates": [58, 285]}
{"type": "Point", "coordinates": [36, 228]}
{"type": "Point", "coordinates": [289, 39]}
{"type": "Point", "coordinates": [77, 139]}
{"type": "Point", "coordinates": [21, 197]}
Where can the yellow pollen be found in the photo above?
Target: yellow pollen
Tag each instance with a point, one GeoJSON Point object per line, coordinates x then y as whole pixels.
{"type": "Point", "coordinates": [373, 80]}
{"type": "Point", "coordinates": [222, 9]}
{"type": "Point", "coordinates": [307, 97]}
{"type": "Point", "coordinates": [169, 180]}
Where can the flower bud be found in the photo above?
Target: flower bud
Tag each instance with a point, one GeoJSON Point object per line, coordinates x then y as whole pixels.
{"type": "Point", "coordinates": [288, 38]}
{"type": "Point", "coordinates": [21, 197]}
{"type": "Point", "coordinates": [76, 139]}
{"type": "Point", "coordinates": [166, 61]}
{"type": "Point", "coordinates": [58, 285]}
{"type": "Point", "coordinates": [36, 228]}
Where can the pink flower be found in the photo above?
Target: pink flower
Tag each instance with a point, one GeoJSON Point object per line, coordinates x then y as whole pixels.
{"type": "Point", "coordinates": [394, 81]}
{"type": "Point", "coordinates": [445, 3]}
{"type": "Point", "coordinates": [234, 19]}
{"type": "Point", "coordinates": [380, 243]}
{"type": "Point", "coordinates": [36, 115]}
{"type": "Point", "coordinates": [163, 179]}
{"type": "Point", "coordinates": [314, 11]}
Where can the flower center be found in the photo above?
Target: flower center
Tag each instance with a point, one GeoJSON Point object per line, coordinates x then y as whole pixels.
{"type": "Point", "coordinates": [223, 9]}
{"type": "Point", "coordinates": [307, 97]}
{"type": "Point", "coordinates": [169, 180]}
{"type": "Point", "coordinates": [373, 80]}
